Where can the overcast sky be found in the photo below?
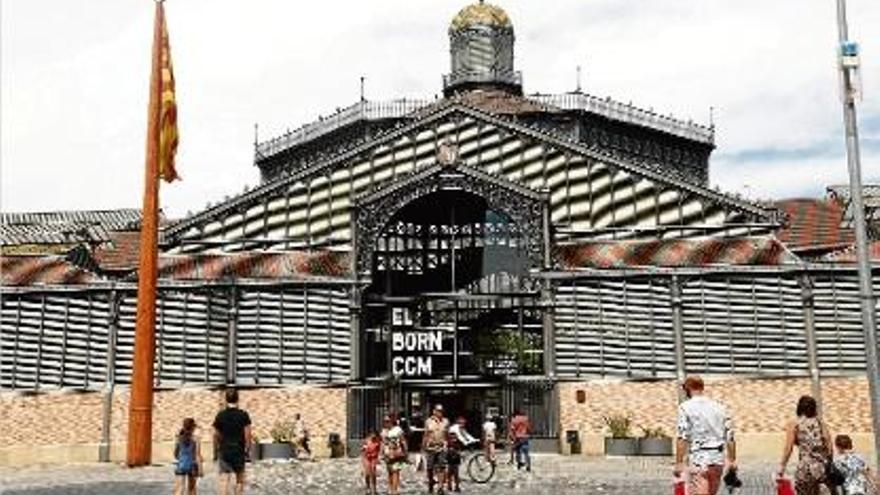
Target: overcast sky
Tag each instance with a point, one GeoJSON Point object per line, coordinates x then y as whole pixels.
{"type": "Point", "coordinates": [75, 78]}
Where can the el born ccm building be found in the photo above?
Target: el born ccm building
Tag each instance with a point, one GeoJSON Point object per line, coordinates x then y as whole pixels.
{"type": "Point", "coordinates": [490, 250]}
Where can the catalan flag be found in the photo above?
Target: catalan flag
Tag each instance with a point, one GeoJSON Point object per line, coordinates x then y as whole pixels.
{"type": "Point", "coordinates": [167, 119]}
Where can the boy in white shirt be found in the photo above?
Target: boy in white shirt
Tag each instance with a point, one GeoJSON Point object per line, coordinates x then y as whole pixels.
{"type": "Point", "coordinates": [490, 437]}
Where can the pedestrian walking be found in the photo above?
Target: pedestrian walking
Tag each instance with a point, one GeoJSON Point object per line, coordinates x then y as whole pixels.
{"type": "Point", "coordinates": [813, 440]}
{"type": "Point", "coordinates": [370, 451]}
{"type": "Point", "coordinates": [457, 441]}
{"type": "Point", "coordinates": [188, 454]}
{"type": "Point", "coordinates": [519, 436]}
{"type": "Point", "coordinates": [301, 437]}
{"type": "Point", "coordinates": [415, 432]}
{"type": "Point", "coordinates": [434, 448]}
{"type": "Point", "coordinates": [490, 437]}
{"type": "Point", "coordinates": [857, 476]}
{"type": "Point", "coordinates": [394, 453]}
{"type": "Point", "coordinates": [705, 436]}
{"type": "Point", "coordinates": [233, 436]}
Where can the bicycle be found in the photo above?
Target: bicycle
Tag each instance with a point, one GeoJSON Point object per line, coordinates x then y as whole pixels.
{"type": "Point", "coordinates": [479, 468]}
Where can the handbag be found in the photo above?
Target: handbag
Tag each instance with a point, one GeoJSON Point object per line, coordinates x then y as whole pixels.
{"type": "Point", "coordinates": [833, 475]}
{"type": "Point", "coordinates": [679, 486]}
{"type": "Point", "coordinates": [784, 486]}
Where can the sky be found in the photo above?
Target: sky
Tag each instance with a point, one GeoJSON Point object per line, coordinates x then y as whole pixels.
{"type": "Point", "coordinates": [74, 78]}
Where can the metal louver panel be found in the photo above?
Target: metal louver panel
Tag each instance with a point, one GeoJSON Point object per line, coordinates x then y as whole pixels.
{"type": "Point", "coordinates": [614, 327]}
{"type": "Point", "coordinates": [839, 336]}
{"type": "Point", "coordinates": [54, 340]}
{"type": "Point", "coordinates": [744, 325]}
{"type": "Point", "coordinates": [294, 334]}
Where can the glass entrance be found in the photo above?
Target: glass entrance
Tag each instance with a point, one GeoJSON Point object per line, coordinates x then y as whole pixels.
{"type": "Point", "coordinates": [450, 297]}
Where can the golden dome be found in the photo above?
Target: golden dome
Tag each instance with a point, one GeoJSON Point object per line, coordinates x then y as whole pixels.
{"type": "Point", "coordinates": [480, 14]}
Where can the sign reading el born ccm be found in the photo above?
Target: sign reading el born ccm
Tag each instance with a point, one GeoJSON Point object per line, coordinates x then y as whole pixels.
{"type": "Point", "coordinates": [412, 352]}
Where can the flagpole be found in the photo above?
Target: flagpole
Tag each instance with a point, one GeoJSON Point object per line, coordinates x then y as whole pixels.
{"type": "Point", "coordinates": [140, 411]}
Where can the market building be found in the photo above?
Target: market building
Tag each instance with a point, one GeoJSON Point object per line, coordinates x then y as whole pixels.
{"type": "Point", "coordinates": [491, 250]}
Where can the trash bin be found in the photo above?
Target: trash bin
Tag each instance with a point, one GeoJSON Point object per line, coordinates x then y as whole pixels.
{"type": "Point", "coordinates": [573, 439]}
{"type": "Point", "coordinates": [337, 449]}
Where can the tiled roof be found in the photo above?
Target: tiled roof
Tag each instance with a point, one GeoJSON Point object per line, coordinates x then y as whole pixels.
{"type": "Point", "coordinates": [813, 224]}
{"type": "Point", "coordinates": [254, 265]}
{"type": "Point", "coordinates": [43, 270]}
{"type": "Point", "coordinates": [848, 254]}
{"type": "Point", "coordinates": [120, 253]}
{"type": "Point", "coordinates": [675, 253]}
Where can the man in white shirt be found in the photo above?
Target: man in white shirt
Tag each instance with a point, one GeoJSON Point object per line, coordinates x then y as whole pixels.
{"type": "Point", "coordinates": [705, 433]}
{"type": "Point", "coordinates": [490, 430]}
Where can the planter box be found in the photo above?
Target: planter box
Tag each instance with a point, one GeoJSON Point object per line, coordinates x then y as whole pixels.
{"type": "Point", "coordinates": [256, 452]}
{"type": "Point", "coordinates": [276, 451]}
{"type": "Point", "coordinates": [621, 446]}
{"type": "Point", "coordinates": [655, 446]}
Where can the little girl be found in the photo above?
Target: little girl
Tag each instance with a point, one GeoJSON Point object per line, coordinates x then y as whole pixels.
{"type": "Point", "coordinates": [370, 451]}
{"type": "Point", "coordinates": [189, 459]}
{"type": "Point", "coordinates": [857, 474]}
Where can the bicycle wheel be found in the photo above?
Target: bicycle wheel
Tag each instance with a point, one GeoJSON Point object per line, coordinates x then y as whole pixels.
{"type": "Point", "coordinates": [480, 469]}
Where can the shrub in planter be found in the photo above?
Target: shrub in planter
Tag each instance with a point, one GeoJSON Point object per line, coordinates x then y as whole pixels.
{"type": "Point", "coordinates": [655, 442]}
{"type": "Point", "coordinates": [621, 442]}
{"type": "Point", "coordinates": [280, 448]}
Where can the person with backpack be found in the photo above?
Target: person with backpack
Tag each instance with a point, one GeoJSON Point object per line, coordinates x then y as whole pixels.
{"type": "Point", "coordinates": [188, 454]}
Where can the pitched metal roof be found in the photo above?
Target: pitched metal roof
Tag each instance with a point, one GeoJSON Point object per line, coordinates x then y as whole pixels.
{"type": "Point", "coordinates": [56, 233]}
{"type": "Point", "coordinates": [442, 110]}
{"type": "Point", "coordinates": [118, 219]}
{"type": "Point", "coordinates": [549, 103]}
{"type": "Point", "coordinates": [65, 227]}
{"type": "Point", "coordinates": [762, 251]}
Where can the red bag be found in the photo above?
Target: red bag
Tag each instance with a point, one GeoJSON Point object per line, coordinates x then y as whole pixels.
{"type": "Point", "coordinates": [680, 486]}
{"type": "Point", "coordinates": [784, 486]}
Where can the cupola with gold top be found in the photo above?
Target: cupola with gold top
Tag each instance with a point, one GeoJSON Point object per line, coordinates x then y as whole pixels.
{"type": "Point", "coordinates": [481, 45]}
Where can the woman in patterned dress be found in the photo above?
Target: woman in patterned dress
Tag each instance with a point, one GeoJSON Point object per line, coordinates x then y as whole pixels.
{"type": "Point", "coordinates": [394, 453]}
{"type": "Point", "coordinates": [811, 436]}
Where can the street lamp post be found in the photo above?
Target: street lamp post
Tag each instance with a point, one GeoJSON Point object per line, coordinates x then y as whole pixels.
{"type": "Point", "coordinates": [848, 63]}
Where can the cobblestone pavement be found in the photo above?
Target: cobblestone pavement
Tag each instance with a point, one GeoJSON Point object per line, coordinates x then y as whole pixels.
{"type": "Point", "coordinates": [554, 474]}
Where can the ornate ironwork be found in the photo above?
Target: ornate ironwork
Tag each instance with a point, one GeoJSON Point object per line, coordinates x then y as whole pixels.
{"type": "Point", "coordinates": [523, 206]}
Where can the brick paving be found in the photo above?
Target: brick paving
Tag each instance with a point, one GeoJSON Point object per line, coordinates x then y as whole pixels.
{"type": "Point", "coordinates": [559, 475]}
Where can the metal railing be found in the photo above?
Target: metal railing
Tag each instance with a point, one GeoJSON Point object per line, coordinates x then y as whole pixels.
{"type": "Point", "coordinates": [626, 112]}
{"type": "Point", "coordinates": [364, 110]}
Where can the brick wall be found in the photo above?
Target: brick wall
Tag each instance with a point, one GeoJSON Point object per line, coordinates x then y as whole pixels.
{"type": "Point", "coordinates": [759, 408]}
{"type": "Point", "coordinates": [58, 427]}
{"type": "Point", "coordinates": [65, 418]}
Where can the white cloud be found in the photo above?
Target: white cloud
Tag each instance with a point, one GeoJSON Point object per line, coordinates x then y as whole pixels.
{"type": "Point", "coordinates": [75, 72]}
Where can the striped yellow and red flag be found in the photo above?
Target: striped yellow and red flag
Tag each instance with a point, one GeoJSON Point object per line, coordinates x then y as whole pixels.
{"type": "Point", "coordinates": [168, 134]}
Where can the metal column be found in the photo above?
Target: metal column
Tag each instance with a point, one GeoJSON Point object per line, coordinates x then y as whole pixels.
{"type": "Point", "coordinates": [109, 385]}
{"type": "Point", "coordinates": [869, 316]}
{"type": "Point", "coordinates": [678, 329]}
{"type": "Point", "coordinates": [806, 283]}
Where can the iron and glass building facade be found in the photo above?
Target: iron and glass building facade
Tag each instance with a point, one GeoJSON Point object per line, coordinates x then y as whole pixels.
{"type": "Point", "coordinates": [474, 251]}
